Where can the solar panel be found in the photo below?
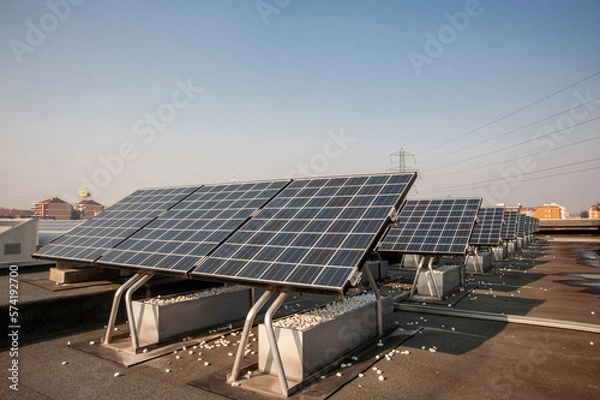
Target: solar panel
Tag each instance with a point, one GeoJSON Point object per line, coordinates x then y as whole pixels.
{"type": "Point", "coordinates": [92, 239]}
{"type": "Point", "coordinates": [433, 226]}
{"type": "Point", "coordinates": [179, 238]}
{"type": "Point", "coordinates": [51, 225]}
{"type": "Point", "coordinates": [509, 230]}
{"type": "Point", "coordinates": [521, 224]}
{"type": "Point", "coordinates": [489, 227]}
{"type": "Point", "coordinates": [315, 234]}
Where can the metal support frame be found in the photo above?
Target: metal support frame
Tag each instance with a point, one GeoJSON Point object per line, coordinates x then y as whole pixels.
{"type": "Point", "coordinates": [478, 265]}
{"type": "Point", "coordinates": [420, 267]}
{"type": "Point", "coordinates": [419, 260]}
{"type": "Point", "coordinates": [129, 307]}
{"type": "Point", "coordinates": [378, 297]}
{"type": "Point", "coordinates": [235, 372]}
{"type": "Point", "coordinates": [380, 266]}
{"type": "Point", "coordinates": [273, 341]}
{"type": "Point", "coordinates": [112, 319]}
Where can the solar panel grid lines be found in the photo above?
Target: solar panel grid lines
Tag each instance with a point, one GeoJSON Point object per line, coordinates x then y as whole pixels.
{"type": "Point", "coordinates": [90, 240]}
{"type": "Point", "coordinates": [488, 229]}
{"type": "Point", "coordinates": [432, 226]}
{"type": "Point", "coordinates": [175, 241]}
{"type": "Point", "coordinates": [521, 224]}
{"type": "Point", "coordinates": [314, 234]}
{"type": "Point", "coordinates": [509, 230]}
{"type": "Point", "coordinates": [51, 225]}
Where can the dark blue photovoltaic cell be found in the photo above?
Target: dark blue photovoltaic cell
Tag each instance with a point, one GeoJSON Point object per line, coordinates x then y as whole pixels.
{"type": "Point", "coordinates": [432, 226]}
{"type": "Point", "coordinates": [521, 225]}
{"type": "Point", "coordinates": [90, 240]}
{"type": "Point", "coordinates": [488, 229]}
{"type": "Point", "coordinates": [531, 225]}
{"type": "Point", "coordinates": [535, 225]}
{"type": "Point", "coordinates": [315, 233]}
{"type": "Point", "coordinates": [189, 231]}
{"type": "Point", "coordinates": [509, 230]}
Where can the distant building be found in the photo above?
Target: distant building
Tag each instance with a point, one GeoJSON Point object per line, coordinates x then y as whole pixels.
{"type": "Point", "coordinates": [15, 213]}
{"type": "Point", "coordinates": [529, 211]}
{"type": "Point", "coordinates": [516, 208]}
{"type": "Point", "coordinates": [88, 209]}
{"type": "Point", "coordinates": [594, 211]}
{"type": "Point", "coordinates": [53, 208]}
{"type": "Point", "coordinates": [551, 211]}
{"type": "Point", "coordinates": [18, 239]}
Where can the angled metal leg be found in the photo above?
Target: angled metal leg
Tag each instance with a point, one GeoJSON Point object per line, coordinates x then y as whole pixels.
{"type": "Point", "coordinates": [478, 265]}
{"type": "Point", "coordinates": [235, 372]}
{"type": "Point", "coordinates": [112, 319]}
{"type": "Point", "coordinates": [378, 297]}
{"type": "Point", "coordinates": [273, 341]}
{"type": "Point", "coordinates": [433, 281]}
{"type": "Point", "coordinates": [420, 262]}
{"type": "Point", "coordinates": [129, 307]}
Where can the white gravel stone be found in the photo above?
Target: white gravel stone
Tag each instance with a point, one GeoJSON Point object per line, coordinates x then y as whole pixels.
{"type": "Point", "coordinates": [159, 301]}
{"type": "Point", "coordinates": [117, 374]}
{"type": "Point", "coordinates": [329, 312]}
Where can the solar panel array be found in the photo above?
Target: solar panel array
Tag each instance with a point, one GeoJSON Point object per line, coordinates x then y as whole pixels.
{"type": "Point", "coordinates": [521, 225]}
{"type": "Point", "coordinates": [536, 225]}
{"type": "Point", "coordinates": [316, 233]}
{"type": "Point", "coordinates": [308, 232]}
{"type": "Point", "coordinates": [51, 225]}
{"type": "Point", "coordinates": [90, 240]}
{"type": "Point", "coordinates": [435, 226]}
{"type": "Point", "coordinates": [489, 227]}
{"type": "Point", "coordinates": [509, 230]}
{"type": "Point", "coordinates": [190, 230]}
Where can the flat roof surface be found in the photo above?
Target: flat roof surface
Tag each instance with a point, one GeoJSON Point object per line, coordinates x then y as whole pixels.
{"type": "Point", "coordinates": [449, 358]}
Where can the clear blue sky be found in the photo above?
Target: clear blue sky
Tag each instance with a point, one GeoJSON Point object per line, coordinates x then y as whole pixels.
{"type": "Point", "coordinates": [335, 86]}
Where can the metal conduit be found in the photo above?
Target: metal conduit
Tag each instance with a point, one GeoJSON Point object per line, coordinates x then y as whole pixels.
{"type": "Point", "coordinates": [488, 316]}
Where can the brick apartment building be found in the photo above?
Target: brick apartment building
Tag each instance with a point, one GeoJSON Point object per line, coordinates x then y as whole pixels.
{"type": "Point", "coordinates": [594, 211]}
{"type": "Point", "coordinates": [88, 208]}
{"type": "Point", "coordinates": [53, 208]}
{"type": "Point", "coordinates": [551, 211]}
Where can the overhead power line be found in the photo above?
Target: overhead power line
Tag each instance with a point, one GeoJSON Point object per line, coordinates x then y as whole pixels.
{"type": "Point", "coordinates": [510, 114]}
{"type": "Point", "coordinates": [508, 132]}
{"type": "Point", "coordinates": [479, 183]}
{"type": "Point", "coordinates": [507, 147]}
{"type": "Point", "coordinates": [525, 180]}
{"type": "Point", "coordinates": [515, 158]}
